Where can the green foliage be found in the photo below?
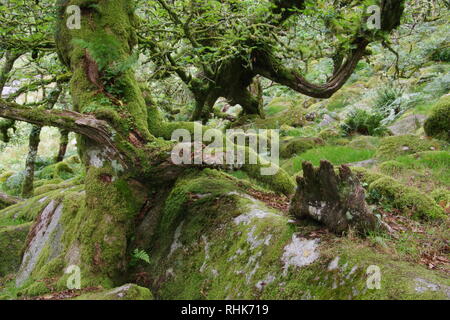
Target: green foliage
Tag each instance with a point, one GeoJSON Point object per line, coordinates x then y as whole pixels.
{"type": "Point", "coordinates": [13, 185]}
{"type": "Point", "coordinates": [59, 170]}
{"type": "Point", "coordinates": [139, 255]}
{"type": "Point", "coordinates": [105, 50]}
{"type": "Point", "coordinates": [386, 102]}
{"type": "Point", "coordinates": [441, 55]}
{"type": "Point", "coordinates": [337, 104]}
{"type": "Point", "coordinates": [274, 109]}
{"type": "Point", "coordinates": [363, 122]}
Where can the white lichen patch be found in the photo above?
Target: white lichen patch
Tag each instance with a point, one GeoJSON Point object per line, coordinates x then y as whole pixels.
{"type": "Point", "coordinates": [352, 272]}
{"type": "Point", "coordinates": [254, 241]}
{"type": "Point", "coordinates": [255, 210]}
{"type": "Point", "coordinates": [121, 291]}
{"type": "Point", "coordinates": [300, 252]}
{"type": "Point", "coordinates": [170, 273]}
{"type": "Point", "coordinates": [334, 264]}
{"type": "Point", "coordinates": [42, 200]}
{"type": "Point", "coordinates": [254, 213]}
{"type": "Point", "coordinates": [423, 285]}
{"type": "Point", "coordinates": [95, 158]}
{"type": "Point", "coordinates": [176, 244]}
{"type": "Point", "coordinates": [316, 212]}
{"type": "Point", "coordinates": [117, 167]}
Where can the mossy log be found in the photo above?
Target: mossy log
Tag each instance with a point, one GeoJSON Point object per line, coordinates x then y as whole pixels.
{"type": "Point", "coordinates": [6, 200]}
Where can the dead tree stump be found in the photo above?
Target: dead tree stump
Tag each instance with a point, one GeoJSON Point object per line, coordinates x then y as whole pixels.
{"type": "Point", "coordinates": [335, 200]}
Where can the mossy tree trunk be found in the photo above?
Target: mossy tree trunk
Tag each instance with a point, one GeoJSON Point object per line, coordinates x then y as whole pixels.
{"type": "Point", "coordinates": [63, 143]}
{"type": "Point", "coordinates": [94, 54]}
{"type": "Point", "coordinates": [6, 124]}
{"type": "Point", "coordinates": [234, 82]}
{"type": "Point", "coordinates": [33, 145]}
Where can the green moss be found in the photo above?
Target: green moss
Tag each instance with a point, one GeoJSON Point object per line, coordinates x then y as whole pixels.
{"type": "Point", "coordinates": [35, 289]}
{"type": "Point", "coordinates": [280, 181]}
{"type": "Point", "coordinates": [93, 231]}
{"type": "Point", "coordinates": [441, 195]}
{"type": "Point", "coordinates": [52, 185]}
{"type": "Point", "coordinates": [12, 240]}
{"type": "Point", "coordinates": [392, 167]}
{"type": "Point", "coordinates": [364, 142]}
{"type": "Point", "coordinates": [13, 184]}
{"type": "Point", "coordinates": [232, 248]}
{"type": "Point", "coordinates": [392, 147]}
{"type": "Point", "coordinates": [59, 170]}
{"type": "Point", "coordinates": [438, 124]}
{"type": "Point", "coordinates": [208, 184]}
{"type": "Point", "coordinates": [406, 198]}
{"type": "Point", "coordinates": [29, 209]}
{"type": "Point", "coordinates": [72, 160]}
{"type": "Point", "coordinates": [328, 134]}
{"type": "Point", "coordinates": [5, 176]}
{"type": "Point", "coordinates": [298, 145]}
{"type": "Point", "coordinates": [426, 169]}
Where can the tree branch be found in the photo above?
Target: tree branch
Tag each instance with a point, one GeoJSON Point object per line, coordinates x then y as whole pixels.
{"type": "Point", "coordinates": [271, 67]}
{"type": "Point", "coordinates": [8, 200]}
{"type": "Point", "coordinates": [97, 130]}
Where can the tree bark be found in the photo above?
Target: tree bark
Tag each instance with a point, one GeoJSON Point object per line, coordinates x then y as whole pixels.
{"type": "Point", "coordinates": [63, 143]}
{"type": "Point", "coordinates": [10, 59]}
{"type": "Point", "coordinates": [33, 145]}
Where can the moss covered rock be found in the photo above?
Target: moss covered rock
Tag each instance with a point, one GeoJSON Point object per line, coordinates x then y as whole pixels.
{"type": "Point", "coordinates": [392, 167]}
{"type": "Point", "coordinates": [59, 170]}
{"type": "Point", "coordinates": [329, 133]}
{"type": "Point", "coordinates": [392, 147]}
{"type": "Point", "coordinates": [438, 124]}
{"type": "Point", "coordinates": [383, 188]}
{"type": "Point", "coordinates": [298, 145]}
{"type": "Point", "coordinates": [13, 184]}
{"type": "Point", "coordinates": [364, 142]}
{"type": "Point", "coordinates": [406, 198]}
{"type": "Point", "coordinates": [12, 240]}
{"type": "Point", "coordinates": [229, 245]}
